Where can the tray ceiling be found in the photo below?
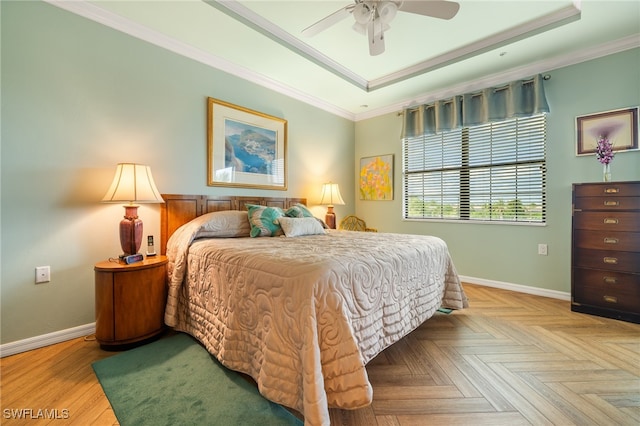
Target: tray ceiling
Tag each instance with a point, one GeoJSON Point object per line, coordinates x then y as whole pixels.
{"type": "Point", "coordinates": [487, 42]}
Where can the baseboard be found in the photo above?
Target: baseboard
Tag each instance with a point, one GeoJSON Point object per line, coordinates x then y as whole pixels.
{"type": "Point", "coordinates": [46, 339]}
{"type": "Point", "coordinates": [554, 294]}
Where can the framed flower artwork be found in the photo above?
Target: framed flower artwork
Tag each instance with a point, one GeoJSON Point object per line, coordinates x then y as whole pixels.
{"type": "Point", "coordinates": [618, 127]}
{"type": "Point", "coordinates": [376, 178]}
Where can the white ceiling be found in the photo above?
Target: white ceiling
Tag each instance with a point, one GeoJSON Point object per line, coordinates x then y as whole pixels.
{"type": "Point", "coordinates": [487, 42]}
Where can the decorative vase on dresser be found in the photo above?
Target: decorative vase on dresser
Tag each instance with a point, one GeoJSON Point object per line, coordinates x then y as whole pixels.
{"type": "Point", "coordinates": [605, 250]}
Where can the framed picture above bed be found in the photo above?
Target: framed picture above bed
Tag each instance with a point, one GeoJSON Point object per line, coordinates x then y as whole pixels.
{"type": "Point", "coordinates": [245, 148]}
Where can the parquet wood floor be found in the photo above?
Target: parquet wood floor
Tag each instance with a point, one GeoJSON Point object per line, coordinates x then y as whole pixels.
{"type": "Point", "coordinates": [510, 359]}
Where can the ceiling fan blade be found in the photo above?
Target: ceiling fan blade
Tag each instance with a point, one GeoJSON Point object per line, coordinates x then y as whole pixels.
{"type": "Point", "coordinates": [328, 21]}
{"type": "Point", "coordinates": [376, 37]}
{"type": "Point", "coordinates": [440, 9]}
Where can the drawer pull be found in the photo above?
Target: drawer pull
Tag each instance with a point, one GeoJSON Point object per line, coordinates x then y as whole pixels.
{"type": "Point", "coordinates": [610, 299]}
{"type": "Point", "coordinates": [611, 190]}
{"type": "Point", "coordinates": [612, 203]}
{"type": "Point", "coordinates": [609, 280]}
{"type": "Point", "coordinates": [610, 221]}
{"type": "Point", "coordinates": [609, 240]}
{"type": "Point", "coordinates": [610, 260]}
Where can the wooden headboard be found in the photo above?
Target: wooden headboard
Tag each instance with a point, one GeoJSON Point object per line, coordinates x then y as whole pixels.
{"type": "Point", "coordinates": [179, 209]}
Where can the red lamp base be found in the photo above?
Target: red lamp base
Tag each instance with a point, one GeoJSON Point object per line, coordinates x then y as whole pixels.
{"type": "Point", "coordinates": [330, 218]}
{"type": "Point", "coordinates": [130, 231]}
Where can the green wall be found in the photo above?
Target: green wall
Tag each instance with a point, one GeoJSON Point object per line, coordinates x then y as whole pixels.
{"type": "Point", "coordinates": [508, 253]}
{"type": "Point", "coordinates": [78, 98]}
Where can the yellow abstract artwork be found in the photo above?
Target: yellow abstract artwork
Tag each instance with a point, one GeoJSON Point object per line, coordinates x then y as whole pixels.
{"type": "Point", "coordinates": [376, 178]}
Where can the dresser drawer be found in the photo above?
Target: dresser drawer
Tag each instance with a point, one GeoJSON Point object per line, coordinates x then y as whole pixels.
{"type": "Point", "coordinates": [607, 240]}
{"type": "Point", "coordinates": [607, 289]}
{"type": "Point", "coordinates": [607, 203]}
{"type": "Point", "coordinates": [609, 189]}
{"type": "Point", "coordinates": [622, 261]}
{"type": "Point", "coordinates": [605, 221]}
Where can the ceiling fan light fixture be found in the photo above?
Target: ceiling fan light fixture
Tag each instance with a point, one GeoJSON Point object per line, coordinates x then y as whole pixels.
{"type": "Point", "coordinates": [376, 37]}
{"type": "Point", "coordinates": [360, 28]}
{"type": "Point", "coordinates": [362, 13]}
{"type": "Point", "coordinates": [378, 28]}
{"type": "Point", "coordinates": [387, 11]}
{"type": "Point", "coordinates": [373, 17]}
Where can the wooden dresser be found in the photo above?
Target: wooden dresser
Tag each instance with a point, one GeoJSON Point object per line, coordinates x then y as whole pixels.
{"type": "Point", "coordinates": [605, 250]}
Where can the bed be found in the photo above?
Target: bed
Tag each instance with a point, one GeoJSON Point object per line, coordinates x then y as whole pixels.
{"type": "Point", "coordinates": [304, 312]}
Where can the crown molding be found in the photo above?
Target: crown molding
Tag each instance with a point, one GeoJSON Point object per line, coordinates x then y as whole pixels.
{"type": "Point", "coordinates": [540, 67]}
{"type": "Point", "coordinates": [539, 25]}
{"type": "Point", "coordinates": [97, 14]}
{"type": "Point", "coordinates": [112, 20]}
{"type": "Point", "coordinates": [503, 38]}
{"type": "Point", "coordinates": [267, 28]}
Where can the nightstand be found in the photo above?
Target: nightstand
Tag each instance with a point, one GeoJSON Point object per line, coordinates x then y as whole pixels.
{"type": "Point", "coordinates": [130, 301]}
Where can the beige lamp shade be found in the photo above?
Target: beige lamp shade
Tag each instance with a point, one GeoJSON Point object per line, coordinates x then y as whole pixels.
{"type": "Point", "coordinates": [132, 183]}
{"type": "Point", "coordinates": [331, 195]}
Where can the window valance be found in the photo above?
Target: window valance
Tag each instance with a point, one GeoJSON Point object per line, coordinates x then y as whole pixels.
{"type": "Point", "coordinates": [521, 98]}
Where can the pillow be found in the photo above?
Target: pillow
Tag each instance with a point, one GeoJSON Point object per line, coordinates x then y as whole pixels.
{"type": "Point", "coordinates": [298, 210]}
{"type": "Point", "coordinates": [223, 224]}
{"type": "Point", "coordinates": [298, 226]}
{"type": "Point", "coordinates": [263, 220]}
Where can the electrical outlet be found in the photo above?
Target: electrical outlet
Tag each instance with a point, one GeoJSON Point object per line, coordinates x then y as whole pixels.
{"type": "Point", "coordinates": [542, 249]}
{"type": "Point", "coordinates": [43, 274]}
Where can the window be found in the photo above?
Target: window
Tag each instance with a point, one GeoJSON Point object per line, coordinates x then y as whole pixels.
{"type": "Point", "coordinates": [493, 172]}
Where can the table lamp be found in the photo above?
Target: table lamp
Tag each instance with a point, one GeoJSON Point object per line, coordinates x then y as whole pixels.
{"type": "Point", "coordinates": [132, 183]}
{"type": "Point", "coordinates": [330, 197]}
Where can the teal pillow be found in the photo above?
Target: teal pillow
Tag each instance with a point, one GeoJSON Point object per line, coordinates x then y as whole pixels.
{"type": "Point", "coordinates": [263, 220]}
{"type": "Point", "coordinates": [298, 210]}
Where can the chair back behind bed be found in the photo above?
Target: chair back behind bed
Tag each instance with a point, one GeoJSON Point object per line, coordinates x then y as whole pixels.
{"type": "Point", "coordinates": [354, 223]}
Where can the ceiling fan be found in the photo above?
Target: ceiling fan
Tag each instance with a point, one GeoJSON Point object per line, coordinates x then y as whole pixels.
{"type": "Point", "coordinates": [373, 17]}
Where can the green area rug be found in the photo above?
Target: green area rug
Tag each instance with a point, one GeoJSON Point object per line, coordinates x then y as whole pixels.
{"type": "Point", "coordinates": [175, 381]}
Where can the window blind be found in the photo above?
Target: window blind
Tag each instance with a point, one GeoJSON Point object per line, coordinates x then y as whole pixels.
{"type": "Point", "coordinates": [491, 172]}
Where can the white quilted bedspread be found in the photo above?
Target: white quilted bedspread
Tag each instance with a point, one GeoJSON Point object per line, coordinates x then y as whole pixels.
{"type": "Point", "coordinates": [304, 315]}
